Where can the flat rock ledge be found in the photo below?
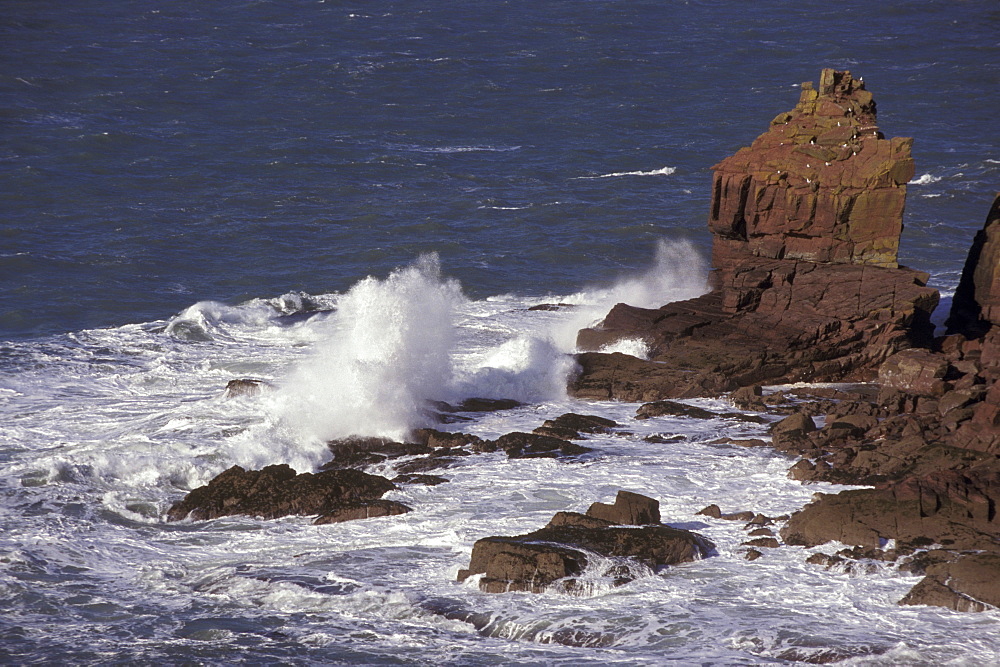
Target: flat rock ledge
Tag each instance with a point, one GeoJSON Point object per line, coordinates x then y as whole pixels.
{"type": "Point", "coordinates": [628, 532]}
{"type": "Point", "coordinates": [276, 491]}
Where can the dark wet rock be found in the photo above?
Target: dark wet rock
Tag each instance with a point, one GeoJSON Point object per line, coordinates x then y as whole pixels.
{"type": "Point", "coordinates": [825, 560]}
{"type": "Point", "coordinates": [553, 306]}
{"type": "Point", "coordinates": [244, 387]}
{"type": "Point", "coordinates": [764, 542]}
{"type": "Point", "coordinates": [715, 512]}
{"type": "Point", "coordinates": [361, 510]}
{"type": "Point", "coordinates": [570, 426]}
{"type": "Point", "coordinates": [416, 478]}
{"type": "Point", "coordinates": [535, 561]}
{"type": "Point", "coordinates": [486, 405]}
{"type": "Point", "coordinates": [496, 625]}
{"type": "Point", "coordinates": [820, 655]}
{"type": "Point", "coordinates": [577, 520]}
{"type": "Point", "coordinates": [359, 452]}
{"type": "Point", "coordinates": [742, 442]}
{"type": "Point", "coordinates": [277, 491]}
{"type": "Point", "coordinates": [752, 554]}
{"type": "Point", "coordinates": [969, 583]}
{"type": "Point", "coordinates": [630, 509]}
{"type": "Point", "coordinates": [440, 458]}
{"type": "Point", "coordinates": [435, 439]}
{"type": "Point", "coordinates": [742, 417]}
{"type": "Point", "coordinates": [518, 445]}
{"type": "Point", "coordinates": [661, 439]}
{"type": "Point", "coordinates": [761, 532]}
{"type": "Point", "coordinates": [674, 409]}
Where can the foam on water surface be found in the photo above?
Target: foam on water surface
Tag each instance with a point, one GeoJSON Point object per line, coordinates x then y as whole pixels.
{"type": "Point", "coordinates": [105, 429]}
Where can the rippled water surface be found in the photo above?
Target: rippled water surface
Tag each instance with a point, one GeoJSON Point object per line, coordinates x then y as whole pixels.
{"type": "Point", "coordinates": [196, 192]}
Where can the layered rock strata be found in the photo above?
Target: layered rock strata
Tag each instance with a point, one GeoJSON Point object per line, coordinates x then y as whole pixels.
{"type": "Point", "coordinates": [805, 283]}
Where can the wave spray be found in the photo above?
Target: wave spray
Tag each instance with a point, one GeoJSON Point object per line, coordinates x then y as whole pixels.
{"type": "Point", "coordinates": [386, 353]}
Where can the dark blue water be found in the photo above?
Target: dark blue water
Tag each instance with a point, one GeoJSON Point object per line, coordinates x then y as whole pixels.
{"type": "Point", "coordinates": [156, 154]}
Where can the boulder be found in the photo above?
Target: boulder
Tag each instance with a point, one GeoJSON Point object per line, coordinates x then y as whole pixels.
{"type": "Point", "coordinates": [520, 445]}
{"type": "Point", "coordinates": [559, 551]}
{"type": "Point", "coordinates": [672, 408]}
{"type": "Point", "coordinates": [277, 491]}
{"type": "Point", "coordinates": [358, 452]}
{"type": "Point", "coordinates": [570, 426]}
{"type": "Point", "coordinates": [243, 387]}
{"type": "Point", "coordinates": [361, 510]}
{"type": "Point", "coordinates": [630, 509]}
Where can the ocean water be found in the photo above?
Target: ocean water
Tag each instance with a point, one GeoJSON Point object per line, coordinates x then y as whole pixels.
{"type": "Point", "coordinates": [358, 203]}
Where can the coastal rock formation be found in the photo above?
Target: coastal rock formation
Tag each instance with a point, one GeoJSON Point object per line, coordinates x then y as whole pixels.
{"type": "Point", "coordinates": [559, 551]}
{"type": "Point", "coordinates": [805, 283]}
{"type": "Point", "coordinates": [276, 491]}
{"type": "Point", "coordinates": [969, 583]}
{"type": "Point", "coordinates": [929, 442]}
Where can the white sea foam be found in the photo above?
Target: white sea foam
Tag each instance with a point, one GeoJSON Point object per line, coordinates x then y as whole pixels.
{"type": "Point", "coordinates": [678, 272]}
{"type": "Point", "coordinates": [386, 353]}
{"type": "Point", "coordinates": [662, 171]}
{"type": "Point", "coordinates": [926, 179]}
{"type": "Point", "coordinates": [116, 424]}
{"type": "Point", "coordinates": [529, 369]}
{"type": "Point", "coordinates": [635, 347]}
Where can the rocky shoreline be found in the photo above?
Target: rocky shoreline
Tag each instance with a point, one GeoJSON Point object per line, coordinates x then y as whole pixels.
{"type": "Point", "coordinates": [806, 288]}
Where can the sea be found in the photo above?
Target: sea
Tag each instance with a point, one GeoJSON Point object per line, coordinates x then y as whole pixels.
{"type": "Point", "coordinates": [357, 204]}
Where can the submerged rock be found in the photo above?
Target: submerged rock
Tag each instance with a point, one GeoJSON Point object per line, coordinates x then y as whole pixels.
{"type": "Point", "coordinates": [672, 408]}
{"type": "Point", "coordinates": [559, 551]}
{"type": "Point", "coordinates": [277, 491]}
{"type": "Point", "coordinates": [518, 445]}
{"type": "Point", "coordinates": [244, 387]}
{"type": "Point", "coordinates": [571, 426]}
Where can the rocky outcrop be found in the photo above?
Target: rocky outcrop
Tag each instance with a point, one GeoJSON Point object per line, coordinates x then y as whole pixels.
{"type": "Point", "coordinates": [276, 491]}
{"type": "Point", "coordinates": [572, 426]}
{"type": "Point", "coordinates": [806, 286]}
{"type": "Point", "coordinates": [950, 507]}
{"type": "Point", "coordinates": [976, 305]}
{"type": "Point", "coordinates": [519, 445]}
{"type": "Point", "coordinates": [822, 185]}
{"type": "Point", "coordinates": [930, 445]}
{"type": "Point", "coordinates": [562, 550]}
{"type": "Point", "coordinates": [969, 583]}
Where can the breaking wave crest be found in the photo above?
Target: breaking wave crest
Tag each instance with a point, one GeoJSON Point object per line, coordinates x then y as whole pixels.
{"type": "Point", "coordinates": [387, 352]}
